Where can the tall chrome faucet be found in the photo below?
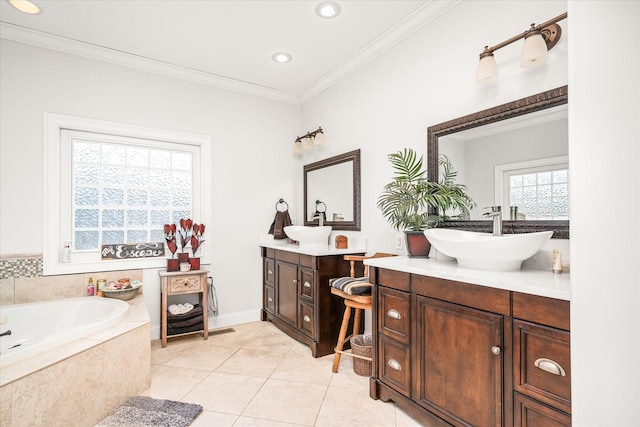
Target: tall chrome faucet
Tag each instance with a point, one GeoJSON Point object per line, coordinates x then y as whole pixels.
{"type": "Point", "coordinates": [496, 214]}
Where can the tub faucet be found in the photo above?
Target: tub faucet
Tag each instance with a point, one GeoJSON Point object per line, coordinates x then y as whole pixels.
{"type": "Point", "coordinates": [496, 214]}
{"type": "Point", "coordinates": [7, 332]}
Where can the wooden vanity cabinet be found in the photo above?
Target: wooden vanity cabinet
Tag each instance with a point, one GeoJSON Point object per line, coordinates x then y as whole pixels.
{"type": "Point", "coordinates": [447, 352]}
{"type": "Point", "coordinates": [297, 297]}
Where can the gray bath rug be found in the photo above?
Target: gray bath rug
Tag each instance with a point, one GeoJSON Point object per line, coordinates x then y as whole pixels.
{"type": "Point", "coordinates": [143, 411]}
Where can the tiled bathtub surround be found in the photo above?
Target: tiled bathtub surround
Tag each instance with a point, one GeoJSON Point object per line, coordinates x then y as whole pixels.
{"type": "Point", "coordinates": [79, 383]}
{"type": "Point", "coordinates": [21, 280]}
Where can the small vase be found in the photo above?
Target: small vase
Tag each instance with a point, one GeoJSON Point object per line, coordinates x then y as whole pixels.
{"type": "Point", "coordinates": [173, 264]}
{"type": "Point", "coordinates": [195, 263]}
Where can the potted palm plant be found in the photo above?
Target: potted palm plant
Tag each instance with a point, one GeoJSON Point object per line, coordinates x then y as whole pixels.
{"type": "Point", "coordinates": [412, 203]}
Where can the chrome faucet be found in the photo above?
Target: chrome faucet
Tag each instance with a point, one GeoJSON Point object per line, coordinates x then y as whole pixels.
{"type": "Point", "coordinates": [496, 214]}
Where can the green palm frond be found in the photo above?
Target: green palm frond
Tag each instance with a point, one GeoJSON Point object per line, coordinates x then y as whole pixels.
{"type": "Point", "coordinates": [406, 201]}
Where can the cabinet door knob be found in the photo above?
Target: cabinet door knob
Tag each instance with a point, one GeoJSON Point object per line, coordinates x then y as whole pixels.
{"type": "Point", "coordinates": [270, 272]}
{"type": "Point", "coordinates": [307, 284]}
{"type": "Point", "coordinates": [307, 319]}
{"type": "Point", "coordinates": [270, 299]}
{"type": "Point", "coordinates": [295, 281]}
{"type": "Point", "coordinates": [550, 366]}
{"type": "Point", "coordinates": [495, 350]}
{"type": "Point", "coordinates": [394, 364]}
{"type": "Point", "coordinates": [394, 314]}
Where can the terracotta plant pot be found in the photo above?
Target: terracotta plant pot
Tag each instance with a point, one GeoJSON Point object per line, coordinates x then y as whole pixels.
{"type": "Point", "coordinates": [173, 264]}
{"type": "Point", "coordinates": [195, 263]}
{"type": "Point", "coordinates": [418, 246]}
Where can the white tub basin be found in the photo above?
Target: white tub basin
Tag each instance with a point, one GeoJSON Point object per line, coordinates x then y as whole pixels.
{"type": "Point", "coordinates": [483, 251]}
{"type": "Point", "coordinates": [309, 236]}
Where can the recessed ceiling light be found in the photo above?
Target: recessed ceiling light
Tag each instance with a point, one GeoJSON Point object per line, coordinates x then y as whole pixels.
{"type": "Point", "coordinates": [25, 6]}
{"type": "Point", "coordinates": [281, 57]}
{"type": "Point", "coordinates": [328, 9]}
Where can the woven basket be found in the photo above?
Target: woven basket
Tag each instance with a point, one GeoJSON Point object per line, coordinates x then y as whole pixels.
{"type": "Point", "coordinates": [361, 345]}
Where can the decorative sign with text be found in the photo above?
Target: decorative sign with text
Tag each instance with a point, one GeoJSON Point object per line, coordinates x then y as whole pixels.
{"type": "Point", "coordinates": [132, 250]}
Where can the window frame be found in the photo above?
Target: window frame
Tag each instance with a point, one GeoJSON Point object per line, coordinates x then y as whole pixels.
{"type": "Point", "coordinates": [57, 188]}
{"type": "Point", "coordinates": [502, 173]}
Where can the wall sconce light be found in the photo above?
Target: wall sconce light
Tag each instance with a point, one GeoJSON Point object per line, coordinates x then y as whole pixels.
{"type": "Point", "coordinates": [309, 141]}
{"type": "Point", "coordinates": [538, 40]}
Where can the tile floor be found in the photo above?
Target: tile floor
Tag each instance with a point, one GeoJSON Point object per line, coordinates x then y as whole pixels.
{"type": "Point", "coordinates": [259, 376]}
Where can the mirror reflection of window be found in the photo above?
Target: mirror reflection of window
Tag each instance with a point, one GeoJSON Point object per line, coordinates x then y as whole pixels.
{"type": "Point", "coordinates": [535, 190]}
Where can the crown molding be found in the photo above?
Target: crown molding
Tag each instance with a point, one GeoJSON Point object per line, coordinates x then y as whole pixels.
{"type": "Point", "coordinates": [419, 18]}
{"type": "Point", "coordinates": [62, 44]}
{"type": "Point", "coordinates": [412, 23]}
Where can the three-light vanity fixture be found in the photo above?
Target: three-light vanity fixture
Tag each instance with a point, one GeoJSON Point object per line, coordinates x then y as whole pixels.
{"type": "Point", "coordinates": [309, 141]}
{"type": "Point", "coordinates": [538, 40]}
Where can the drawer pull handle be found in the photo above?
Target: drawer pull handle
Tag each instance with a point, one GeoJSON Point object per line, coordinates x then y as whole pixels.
{"type": "Point", "coordinates": [394, 364]}
{"type": "Point", "coordinates": [307, 319]}
{"type": "Point", "coordinates": [394, 314]}
{"type": "Point", "coordinates": [550, 366]}
{"type": "Point", "coordinates": [307, 284]}
{"type": "Point", "coordinates": [495, 350]}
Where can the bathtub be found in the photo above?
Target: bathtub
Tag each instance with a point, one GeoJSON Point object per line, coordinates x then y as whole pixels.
{"type": "Point", "coordinates": [41, 326]}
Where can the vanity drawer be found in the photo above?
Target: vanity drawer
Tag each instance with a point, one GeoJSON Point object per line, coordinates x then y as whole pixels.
{"type": "Point", "coordinates": [186, 284]}
{"type": "Point", "coordinates": [393, 279]}
{"type": "Point", "coordinates": [269, 271]}
{"type": "Point", "coordinates": [306, 321]}
{"type": "Point", "coordinates": [542, 364]}
{"type": "Point", "coordinates": [545, 311]}
{"type": "Point", "coordinates": [306, 285]}
{"type": "Point", "coordinates": [394, 365]}
{"type": "Point", "coordinates": [269, 299]}
{"type": "Point", "coordinates": [529, 413]}
{"type": "Point", "coordinates": [393, 314]}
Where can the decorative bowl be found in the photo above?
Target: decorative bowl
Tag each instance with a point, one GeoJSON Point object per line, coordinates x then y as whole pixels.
{"type": "Point", "coordinates": [121, 294]}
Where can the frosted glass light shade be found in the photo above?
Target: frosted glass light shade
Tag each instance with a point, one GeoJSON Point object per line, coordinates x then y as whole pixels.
{"type": "Point", "coordinates": [534, 52]}
{"type": "Point", "coordinates": [318, 140]}
{"type": "Point", "coordinates": [297, 147]}
{"type": "Point", "coordinates": [307, 143]}
{"type": "Point", "coordinates": [487, 70]}
{"type": "Point", "coordinates": [25, 6]}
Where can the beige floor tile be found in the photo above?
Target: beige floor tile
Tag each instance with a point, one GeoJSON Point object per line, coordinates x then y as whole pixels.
{"type": "Point", "coordinates": [255, 363]}
{"type": "Point", "coordinates": [303, 367]}
{"type": "Point", "coordinates": [404, 420]}
{"type": "Point", "coordinates": [174, 347]}
{"type": "Point", "coordinates": [287, 401]}
{"type": "Point", "coordinates": [203, 356]}
{"type": "Point", "coordinates": [227, 393]}
{"type": "Point", "coordinates": [345, 406]}
{"type": "Point", "coordinates": [214, 419]}
{"type": "Point", "coordinates": [258, 422]}
{"type": "Point", "coordinates": [173, 383]}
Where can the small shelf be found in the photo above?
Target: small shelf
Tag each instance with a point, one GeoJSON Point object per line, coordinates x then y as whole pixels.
{"type": "Point", "coordinates": [183, 283]}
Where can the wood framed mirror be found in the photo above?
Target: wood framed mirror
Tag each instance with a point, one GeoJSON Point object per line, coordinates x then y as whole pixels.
{"type": "Point", "coordinates": [332, 187]}
{"type": "Point", "coordinates": [519, 110]}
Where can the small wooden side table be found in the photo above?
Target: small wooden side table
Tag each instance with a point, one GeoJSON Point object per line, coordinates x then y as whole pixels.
{"type": "Point", "coordinates": [181, 283]}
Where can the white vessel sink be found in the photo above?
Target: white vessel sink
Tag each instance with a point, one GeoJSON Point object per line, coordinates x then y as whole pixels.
{"type": "Point", "coordinates": [309, 236]}
{"type": "Point", "coordinates": [483, 251]}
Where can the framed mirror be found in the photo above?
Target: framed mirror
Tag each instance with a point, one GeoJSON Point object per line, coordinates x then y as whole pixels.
{"type": "Point", "coordinates": [332, 189]}
{"type": "Point", "coordinates": [528, 135]}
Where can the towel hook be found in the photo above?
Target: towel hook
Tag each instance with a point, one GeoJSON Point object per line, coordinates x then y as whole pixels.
{"type": "Point", "coordinates": [281, 201]}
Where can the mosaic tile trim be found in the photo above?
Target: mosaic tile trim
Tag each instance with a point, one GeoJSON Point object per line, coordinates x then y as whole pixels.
{"type": "Point", "coordinates": [20, 266]}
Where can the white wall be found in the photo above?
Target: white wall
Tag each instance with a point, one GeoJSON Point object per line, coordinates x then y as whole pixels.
{"type": "Point", "coordinates": [251, 150]}
{"type": "Point", "coordinates": [604, 157]}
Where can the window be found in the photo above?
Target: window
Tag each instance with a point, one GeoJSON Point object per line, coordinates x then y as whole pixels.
{"type": "Point", "coordinates": [111, 183]}
{"type": "Point", "coordinates": [539, 189]}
